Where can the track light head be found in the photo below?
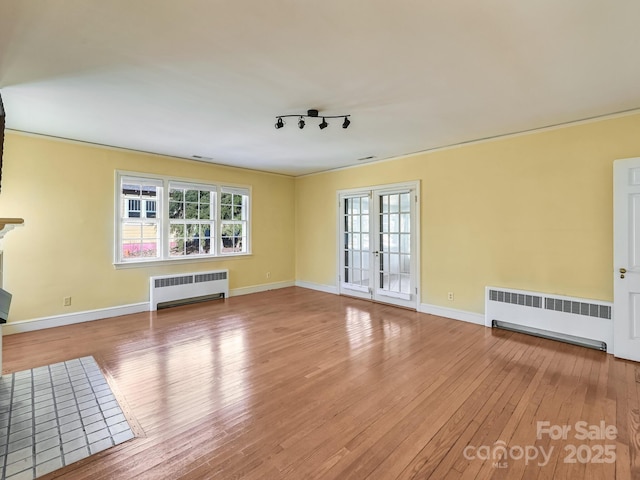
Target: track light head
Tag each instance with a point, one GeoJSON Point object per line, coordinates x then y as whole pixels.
{"type": "Point", "coordinates": [324, 124]}
{"type": "Point", "coordinates": [279, 123]}
{"type": "Point", "coordinates": [301, 123]}
{"type": "Point", "coordinates": [346, 122]}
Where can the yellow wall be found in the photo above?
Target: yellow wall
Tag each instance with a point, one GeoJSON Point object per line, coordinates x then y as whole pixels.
{"type": "Point", "coordinates": [65, 191]}
{"type": "Point", "coordinates": [532, 212]}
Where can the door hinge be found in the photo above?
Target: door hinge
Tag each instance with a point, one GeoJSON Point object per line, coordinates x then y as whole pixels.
{"type": "Point", "coordinates": [416, 290]}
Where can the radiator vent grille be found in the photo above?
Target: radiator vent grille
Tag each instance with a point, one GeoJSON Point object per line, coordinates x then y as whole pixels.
{"type": "Point", "coordinates": [209, 277]}
{"type": "Point", "coordinates": [578, 308]}
{"type": "Point", "coordinates": [551, 303]}
{"type": "Point", "coordinates": [516, 298]}
{"type": "Point", "coordinates": [173, 281]}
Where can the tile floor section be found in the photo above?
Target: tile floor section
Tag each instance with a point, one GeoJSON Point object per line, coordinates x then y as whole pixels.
{"type": "Point", "coordinates": [55, 415]}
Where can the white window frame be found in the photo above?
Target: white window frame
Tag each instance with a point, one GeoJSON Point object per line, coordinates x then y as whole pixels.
{"type": "Point", "coordinates": [162, 218]}
{"type": "Point", "coordinates": [141, 218]}
{"type": "Point", "coordinates": [222, 223]}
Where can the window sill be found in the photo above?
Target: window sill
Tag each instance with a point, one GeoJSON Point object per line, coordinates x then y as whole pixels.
{"type": "Point", "coordinates": [177, 261]}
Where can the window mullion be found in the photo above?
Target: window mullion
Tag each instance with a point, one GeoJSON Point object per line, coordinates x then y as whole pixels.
{"type": "Point", "coordinates": [164, 220]}
{"type": "Point", "coordinates": [218, 225]}
{"type": "Point", "coordinates": [213, 203]}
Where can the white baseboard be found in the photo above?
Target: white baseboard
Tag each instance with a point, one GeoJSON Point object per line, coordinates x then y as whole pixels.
{"type": "Point", "coordinates": [317, 286]}
{"type": "Point", "coordinates": [453, 313]}
{"type": "Point", "coordinates": [31, 325]}
{"type": "Point", "coordinates": [68, 319]}
{"type": "Point", "coordinates": [234, 292]}
{"type": "Point", "coordinates": [21, 326]}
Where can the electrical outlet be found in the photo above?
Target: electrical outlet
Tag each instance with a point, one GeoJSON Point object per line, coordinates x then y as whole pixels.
{"type": "Point", "coordinates": [450, 296]}
{"type": "Point", "coordinates": [268, 274]}
{"type": "Point", "coordinates": [66, 302]}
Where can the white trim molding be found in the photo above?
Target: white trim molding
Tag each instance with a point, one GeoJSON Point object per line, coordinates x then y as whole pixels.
{"type": "Point", "coordinates": [450, 313]}
{"type": "Point", "coordinates": [462, 315]}
{"type": "Point", "coordinates": [317, 286]}
{"type": "Point", "coordinates": [235, 292]}
{"type": "Point", "coordinates": [34, 324]}
{"type": "Point", "coordinates": [21, 326]}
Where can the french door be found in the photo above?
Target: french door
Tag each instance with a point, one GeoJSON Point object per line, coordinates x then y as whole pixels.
{"type": "Point", "coordinates": [378, 244]}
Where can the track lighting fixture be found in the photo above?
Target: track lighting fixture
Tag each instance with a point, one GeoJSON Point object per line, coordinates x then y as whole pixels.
{"type": "Point", "coordinates": [312, 113]}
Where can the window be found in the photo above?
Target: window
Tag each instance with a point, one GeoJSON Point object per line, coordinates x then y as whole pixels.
{"type": "Point", "coordinates": [234, 205]}
{"type": "Point", "coordinates": [139, 228]}
{"type": "Point", "coordinates": [134, 208]}
{"type": "Point", "coordinates": [150, 208]}
{"type": "Point", "coordinates": [166, 219]}
{"type": "Point", "coordinates": [191, 214]}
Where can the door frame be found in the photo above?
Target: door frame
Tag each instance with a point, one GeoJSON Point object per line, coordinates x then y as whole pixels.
{"type": "Point", "coordinates": [621, 223]}
{"type": "Point", "coordinates": [415, 185]}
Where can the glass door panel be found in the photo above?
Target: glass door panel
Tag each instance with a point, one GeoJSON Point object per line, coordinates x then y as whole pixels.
{"type": "Point", "coordinates": [355, 245]}
{"type": "Point", "coordinates": [394, 266]}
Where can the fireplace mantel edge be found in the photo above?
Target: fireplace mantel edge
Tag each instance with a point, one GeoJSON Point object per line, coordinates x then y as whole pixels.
{"type": "Point", "coordinates": [7, 224]}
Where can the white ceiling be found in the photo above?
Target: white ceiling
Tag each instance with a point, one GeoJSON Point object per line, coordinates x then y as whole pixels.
{"type": "Point", "coordinates": [209, 77]}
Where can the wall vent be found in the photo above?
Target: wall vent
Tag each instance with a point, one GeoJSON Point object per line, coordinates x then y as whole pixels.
{"type": "Point", "coordinates": [578, 308]}
{"type": "Point", "coordinates": [210, 277]}
{"type": "Point", "coordinates": [173, 281]}
{"type": "Point", "coordinates": [534, 301]}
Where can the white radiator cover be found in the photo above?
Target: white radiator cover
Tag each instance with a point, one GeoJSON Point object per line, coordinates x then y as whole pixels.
{"type": "Point", "coordinates": [169, 288]}
{"type": "Point", "coordinates": [555, 314]}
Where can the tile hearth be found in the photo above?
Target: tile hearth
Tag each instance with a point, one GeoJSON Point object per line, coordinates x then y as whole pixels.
{"type": "Point", "coordinates": [55, 415]}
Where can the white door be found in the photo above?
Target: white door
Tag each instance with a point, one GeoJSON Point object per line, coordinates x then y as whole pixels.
{"type": "Point", "coordinates": [378, 245]}
{"type": "Point", "coordinates": [626, 257]}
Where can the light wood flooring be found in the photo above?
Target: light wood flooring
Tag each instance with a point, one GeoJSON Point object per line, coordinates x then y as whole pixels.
{"type": "Point", "coordinates": [296, 384]}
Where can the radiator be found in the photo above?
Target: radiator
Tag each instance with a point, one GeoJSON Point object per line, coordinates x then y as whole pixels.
{"type": "Point", "coordinates": [574, 320]}
{"type": "Point", "coordinates": [171, 290]}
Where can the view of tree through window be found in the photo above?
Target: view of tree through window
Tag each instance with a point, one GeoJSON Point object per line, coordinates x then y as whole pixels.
{"type": "Point", "coordinates": [233, 215]}
{"type": "Point", "coordinates": [190, 219]}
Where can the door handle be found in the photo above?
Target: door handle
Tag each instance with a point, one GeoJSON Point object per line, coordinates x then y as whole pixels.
{"type": "Point", "coordinates": [376, 253]}
{"type": "Point", "coordinates": [622, 272]}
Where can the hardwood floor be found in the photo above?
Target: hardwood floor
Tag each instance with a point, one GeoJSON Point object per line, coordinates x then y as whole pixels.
{"type": "Point", "coordinates": [296, 384]}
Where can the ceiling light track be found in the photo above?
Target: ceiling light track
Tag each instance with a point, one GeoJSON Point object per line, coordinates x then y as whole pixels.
{"type": "Point", "coordinates": [312, 113]}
